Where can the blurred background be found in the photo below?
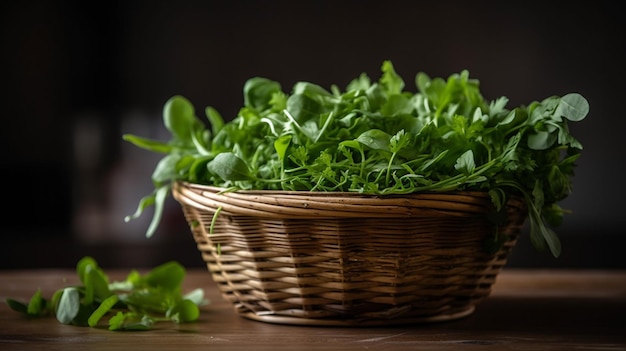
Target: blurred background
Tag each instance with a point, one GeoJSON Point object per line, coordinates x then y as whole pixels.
{"type": "Point", "coordinates": [77, 75]}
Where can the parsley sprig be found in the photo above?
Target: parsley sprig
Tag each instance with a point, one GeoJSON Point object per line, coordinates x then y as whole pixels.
{"type": "Point", "coordinates": [137, 303]}
{"type": "Point", "coordinates": [376, 137]}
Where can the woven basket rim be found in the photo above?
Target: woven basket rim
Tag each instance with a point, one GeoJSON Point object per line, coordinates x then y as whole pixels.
{"type": "Point", "coordinates": [308, 193]}
{"type": "Point", "coordinates": [306, 204]}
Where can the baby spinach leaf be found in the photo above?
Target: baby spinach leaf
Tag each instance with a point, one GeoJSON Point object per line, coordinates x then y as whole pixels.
{"type": "Point", "coordinates": [196, 296]}
{"type": "Point", "coordinates": [183, 311]}
{"type": "Point", "coordinates": [179, 117]}
{"type": "Point", "coordinates": [258, 91]}
{"type": "Point", "coordinates": [168, 276]}
{"type": "Point", "coordinates": [96, 284]}
{"type": "Point", "coordinates": [215, 119]}
{"type": "Point", "coordinates": [541, 140]}
{"type": "Point", "coordinates": [375, 139]}
{"type": "Point", "coordinates": [36, 304]}
{"type": "Point", "coordinates": [397, 105]}
{"type": "Point", "coordinates": [165, 169]}
{"type": "Point", "coordinates": [229, 167]}
{"type": "Point", "coordinates": [69, 305]}
{"type": "Point", "coordinates": [22, 307]}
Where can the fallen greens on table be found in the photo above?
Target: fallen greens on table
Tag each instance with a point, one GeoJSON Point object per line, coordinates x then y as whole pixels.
{"type": "Point", "coordinates": [376, 137]}
{"type": "Point", "coordinates": [137, 303]}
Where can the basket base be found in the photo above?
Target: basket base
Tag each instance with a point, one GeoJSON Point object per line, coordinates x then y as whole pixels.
{"type": "Point", "coordinates": [277, 319]}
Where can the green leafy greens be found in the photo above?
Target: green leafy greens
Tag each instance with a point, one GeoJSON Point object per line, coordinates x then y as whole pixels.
{"type": "Point", "coordinates": [375, 137]}
{"type": "Point", "coordinates": [136, 303]}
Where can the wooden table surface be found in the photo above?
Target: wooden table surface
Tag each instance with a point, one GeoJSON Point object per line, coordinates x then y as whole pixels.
{"type": "Point", "coordinates": [527, 310]}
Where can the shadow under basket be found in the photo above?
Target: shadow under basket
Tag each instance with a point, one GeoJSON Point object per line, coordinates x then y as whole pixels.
{"type": "Point", "coordinates": [348, 259]}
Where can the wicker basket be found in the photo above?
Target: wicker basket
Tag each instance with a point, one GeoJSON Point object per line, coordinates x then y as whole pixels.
{"type": "Point", "coordinates": [315, 258]}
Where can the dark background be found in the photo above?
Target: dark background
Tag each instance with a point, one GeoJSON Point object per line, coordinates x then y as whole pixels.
{"type": "Point", "coordinates": [77, 75]}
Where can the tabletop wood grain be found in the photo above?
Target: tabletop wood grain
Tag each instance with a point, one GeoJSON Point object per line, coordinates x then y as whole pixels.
{"type": "Point", "coordinates": [527, 310]}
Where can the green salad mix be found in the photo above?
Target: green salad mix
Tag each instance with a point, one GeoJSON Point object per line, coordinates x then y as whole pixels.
{"type": "Point", "coordinates": [137, 303]}
{"type": "Point", "coordinates": [376, 137]}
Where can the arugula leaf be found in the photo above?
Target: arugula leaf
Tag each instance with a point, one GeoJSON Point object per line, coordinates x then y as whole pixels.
{"type": "Point", "coordinates": [376, 137]}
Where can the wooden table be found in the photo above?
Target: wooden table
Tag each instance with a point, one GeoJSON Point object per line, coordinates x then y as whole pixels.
{"type": "Point", "coordinates": [527, 310]}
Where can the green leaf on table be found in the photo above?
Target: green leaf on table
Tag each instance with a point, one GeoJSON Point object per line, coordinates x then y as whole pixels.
{"type": "Point", "coordinates": [196, 296]}
{"type": "Point", "coordinates": [183, 311]}
{"type": "Point", "coordinates": [36, 304]}
{"type": "Point", "coordinates": [102, 309]}
{"type": "Point", "coordinates": [130, 321]}
{"type": "Point", "coordinates": [134, 304]}
{"type": "Point", "coordinates": [169, 276]}
{"type": "Point", "coordinates": [94, 279]}
{"type": "Point", "coordinates": [69, 305]}
{"type": "Point", "coordinates": [18, 306]}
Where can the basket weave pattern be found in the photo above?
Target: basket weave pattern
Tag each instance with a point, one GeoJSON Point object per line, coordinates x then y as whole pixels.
{"type": "Point", "coordinates": [348, 259]}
